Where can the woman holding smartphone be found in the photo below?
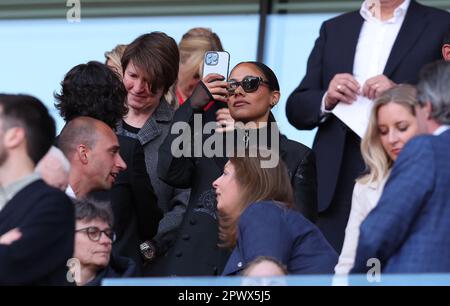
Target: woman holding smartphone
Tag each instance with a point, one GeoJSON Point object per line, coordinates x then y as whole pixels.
{"type": "Point", "coordinates": [250, 94]}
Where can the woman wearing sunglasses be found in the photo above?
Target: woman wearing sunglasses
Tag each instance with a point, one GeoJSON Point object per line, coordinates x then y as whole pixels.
{"type": "Point", "coordinates": [93, 242]}
{"type": "Point", "coordinates": [250, 94]}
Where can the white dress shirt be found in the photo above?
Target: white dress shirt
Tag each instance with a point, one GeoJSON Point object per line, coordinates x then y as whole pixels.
{"type": "Point", "coordinates": [70, 193]}
{"type": "Point", "coordinates": [375, 42]}
{"type": "Point", "coordinates": [365, 198]}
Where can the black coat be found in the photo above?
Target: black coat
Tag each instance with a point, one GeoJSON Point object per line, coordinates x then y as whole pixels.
{"type": "Point", "coordinates": [45, 217]}
{"type": "Point", "coordinates": [195, 251]}
{"type": "Point", "coordinates": [133, 201]}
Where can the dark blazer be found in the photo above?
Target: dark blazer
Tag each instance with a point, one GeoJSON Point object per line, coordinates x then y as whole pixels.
{"type": "Point", "coordinates": [268, 229]}
{"type": "Point", "coordinates": [409, 229]}
{"type": "Point", "coordinates": [195, 251]}
{"type": "Point", "coordinates": [45, 216]}
{"type": "Point", "coordinates": [133, 201]}
{"type": "Point", "coordinates": [418, 42]}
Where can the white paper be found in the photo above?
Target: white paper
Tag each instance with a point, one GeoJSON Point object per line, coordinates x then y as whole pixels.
{"type": "Point", "coordinates": [355, 115]}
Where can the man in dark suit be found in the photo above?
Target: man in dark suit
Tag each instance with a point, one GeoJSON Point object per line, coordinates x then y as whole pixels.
{"type": "Point", "coordinates": [36, 221]}
{"type": "Point", "coordinates": [408, 231]}
{"type": "Point", "coordinates": [358, 53]}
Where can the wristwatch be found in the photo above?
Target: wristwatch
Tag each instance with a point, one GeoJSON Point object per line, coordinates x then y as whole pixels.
{"type": "Point", "coordinates": [148, 250]}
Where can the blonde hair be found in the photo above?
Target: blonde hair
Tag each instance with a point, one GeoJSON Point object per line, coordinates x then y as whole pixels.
{"type": "Point", "coordinates": [375, 157]}
{"type": "Point", "coordinates": [192, 47]}
{"type": "Point", "coordinates": [256, 184]}
{"type": "Point", "coordinates": [115, 55]}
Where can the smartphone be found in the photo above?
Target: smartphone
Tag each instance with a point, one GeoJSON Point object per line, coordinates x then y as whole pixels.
{"type": "Point", "coordinates": [216, 62]}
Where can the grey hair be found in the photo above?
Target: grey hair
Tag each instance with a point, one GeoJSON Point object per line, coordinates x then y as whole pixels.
{"type": "Point", "coordinates": [434, 87]}
{"type": "Point", "coordinates": [88, 209]}
{"type": "Point", "coordinates": [60, 157]}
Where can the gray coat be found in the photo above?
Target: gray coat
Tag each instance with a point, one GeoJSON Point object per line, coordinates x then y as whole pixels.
{"type": "Point", "coordinates": [172, 201]}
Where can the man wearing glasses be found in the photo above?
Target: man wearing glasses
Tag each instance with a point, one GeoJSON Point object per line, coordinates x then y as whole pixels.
{"type": "Point", "coordinates": [94, 236]}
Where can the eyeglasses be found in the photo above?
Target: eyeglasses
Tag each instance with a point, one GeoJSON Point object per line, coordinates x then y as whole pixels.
{"type": "Point", "coordinates": [248, 84]}
{"type": "Point", "coordinates": [94, 233]}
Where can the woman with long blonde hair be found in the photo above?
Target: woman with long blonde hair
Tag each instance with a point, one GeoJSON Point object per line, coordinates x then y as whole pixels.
{"type": "Point", "coordinates": [396, 117]}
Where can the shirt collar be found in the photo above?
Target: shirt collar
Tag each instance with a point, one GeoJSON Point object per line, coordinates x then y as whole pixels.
{"type": "Point", "coordinates": [9, 191]}
{"type": "Point", "coordinates": [399, 12]}
{"type": "Point", "coordinates": [70, 192]}
{"type": "Point", "coordinates": [441, 130]}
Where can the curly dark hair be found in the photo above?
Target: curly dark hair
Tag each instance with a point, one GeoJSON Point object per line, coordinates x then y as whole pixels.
{"type": "Point", "coordinates": [92, 90]}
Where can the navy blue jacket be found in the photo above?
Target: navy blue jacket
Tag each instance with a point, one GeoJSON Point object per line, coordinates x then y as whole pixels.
{"type": "Point", "coordinates": [409, 229]}
{"type": "Point", "coordinates": [268, 229]}
{"type": "Point", "coordinates": [45, 217]}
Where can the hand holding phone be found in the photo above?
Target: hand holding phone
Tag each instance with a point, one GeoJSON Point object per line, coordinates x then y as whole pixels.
{"type": "Point", "coordinates": [217, 86]}
{"type": "Point", "coordinates": [217, 62]}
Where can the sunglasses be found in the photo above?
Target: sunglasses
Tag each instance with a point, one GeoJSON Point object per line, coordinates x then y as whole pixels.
{"type": "Point", "coordinates": [94, 233]}
{"type": "Point", "coordinates": [248, 84]}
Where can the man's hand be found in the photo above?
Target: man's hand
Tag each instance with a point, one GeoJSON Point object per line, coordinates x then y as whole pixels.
{"type": "Point", "coordinates": [342, 88]}
{"type": "Point", "coordinates": [10, 237]}
{"type": "Point", "coordinates": [375, 86]}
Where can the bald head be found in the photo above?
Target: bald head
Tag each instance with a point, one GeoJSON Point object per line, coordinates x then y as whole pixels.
{"type": "Point", "coordinates": [93, 151]}
{"type": "Point", "coordinates": [81, 130]}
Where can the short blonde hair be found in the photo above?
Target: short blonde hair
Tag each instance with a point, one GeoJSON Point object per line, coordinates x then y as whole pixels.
{"type": "Point", "coordinates": [193, 46]}
{"type": "Point", "coordinates": [115, 55]}
{"type": "Point", "coordinates": [375, 157]}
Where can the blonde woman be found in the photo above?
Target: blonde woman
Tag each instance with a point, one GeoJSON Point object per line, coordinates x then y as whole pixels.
{"type": "Point", "coordinates": [192, 47]}
{"type": "Point", "coordinates": [396, 117]}
{"type": "Point", "coordinates": [113, 59]}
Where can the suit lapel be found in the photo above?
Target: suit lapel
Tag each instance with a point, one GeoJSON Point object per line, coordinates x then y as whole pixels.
{"type": "Point", "coordinates": [409, 35]}
{"type": "Point", "coordinates": [352, 28]}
